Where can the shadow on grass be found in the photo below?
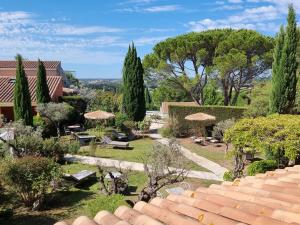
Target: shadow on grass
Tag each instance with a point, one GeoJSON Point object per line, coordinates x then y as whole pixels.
{"type": "Point", "coordinates": [68, 198]}
{"type": "Point", "coordinates": [29, 220]}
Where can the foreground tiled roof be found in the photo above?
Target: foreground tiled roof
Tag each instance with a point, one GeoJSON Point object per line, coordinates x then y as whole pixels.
{"type": "Point", "coordinates": [7, 87]}
{"type": "Point", "coordinates": [266, 199]}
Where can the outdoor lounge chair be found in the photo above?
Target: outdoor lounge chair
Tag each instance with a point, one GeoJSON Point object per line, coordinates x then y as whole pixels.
{"type": "Point", "coordinates": [115, 144]}
{"type": "Point", "coordinates": [81, 176]}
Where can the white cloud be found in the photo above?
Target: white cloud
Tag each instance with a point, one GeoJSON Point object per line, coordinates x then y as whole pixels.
{"type": "Point", "coordinates": [264, 18]}
{"type": "Point", "coordinates": [151, 9]}
{"type": "Point", "coordinates": [163, 8]}
{"type": "Point", "coordinates": [235, 1]}
{"type": "Point", "coordinates": [24, 33]}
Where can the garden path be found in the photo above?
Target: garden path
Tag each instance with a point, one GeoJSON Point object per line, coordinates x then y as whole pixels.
{"type": "Point", "coordinates": [215, 168]}
{"type": "Point", "coordinates": [132, 166]}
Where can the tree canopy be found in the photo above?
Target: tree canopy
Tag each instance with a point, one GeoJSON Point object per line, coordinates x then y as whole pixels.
{"type": "Point", "coordinates": [234, 57]}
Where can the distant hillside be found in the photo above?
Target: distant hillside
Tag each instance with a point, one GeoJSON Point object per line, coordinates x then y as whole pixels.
{"type": "Point", "coordinates": [103, 84]}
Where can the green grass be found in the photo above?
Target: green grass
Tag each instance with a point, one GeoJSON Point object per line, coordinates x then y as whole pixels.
{"type": "Point", "coordinates": [214, 155]}
{"type": "Point", "coordinates": [84, 200]}
{"type": "Point", "coordinates": [139, 150]}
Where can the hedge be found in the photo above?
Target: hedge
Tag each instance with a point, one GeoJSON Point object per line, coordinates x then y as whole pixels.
{"type": "Point", "coordinates": [220, 112]}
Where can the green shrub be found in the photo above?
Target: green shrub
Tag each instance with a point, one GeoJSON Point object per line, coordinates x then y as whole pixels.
{"type": "Point", "coordinates": [120, 119]}
{"type": "Point", "coordinates": [166, 132]}
{"type": "Point", "coordinates": [53, 148]}
{"type": "Point", "coordinates": [109, 132]}
{"type": "Point", "coordinates": [221, 127]}
{"type": "Point", "coordinates": [31, 177]}
{"type": "Point", "coordinates": [261, 167]}
{"type": "Point", "coordinates": [38, 121]}
{"type": "Point", "coordinates": [144, 125]}
{"type": "Point", "coordinates": [109, 203]}
{"type": "Point", "coordinates": [228, 176]}
{"type": "Point", "coordinates": [73, 147]}
{"type": "Point", "coordinates": [221, 113]}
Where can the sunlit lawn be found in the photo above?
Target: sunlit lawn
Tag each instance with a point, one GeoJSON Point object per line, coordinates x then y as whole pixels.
{"type": "Point", "coordinates": [215, 154]}
{"type": "Point", "coordinates": [139, 149]}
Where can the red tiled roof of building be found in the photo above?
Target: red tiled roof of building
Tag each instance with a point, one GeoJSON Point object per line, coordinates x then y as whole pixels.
{"type": "Point", "coordinates": [272, 198]}
{"type": "Point", "coordinates": [7, 87]}
{"type": "Point", "coordinates": [29, 64]}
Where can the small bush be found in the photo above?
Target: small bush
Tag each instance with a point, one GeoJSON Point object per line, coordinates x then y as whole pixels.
{"type": "Point", "coordinates": [120, 119]}
{"type": "Point", "coordinates": [38, 121]}
{"type": "Point", "coordinates": [228, 176]}
{"type": "Point", "coordinates": [144, 125]}
{"type": "Point", "coordinates": [166, 132]}
{"type": "Point", "coordinates": [31, 178]}
{"type": "Point", "coordinates": [109, 203]}
{"type": "Point", "coordinates": [261, 167]}
{"type": "Point", "coordinates": [73, 147]}
{"type": "Point", "coordinates": [221, 127]}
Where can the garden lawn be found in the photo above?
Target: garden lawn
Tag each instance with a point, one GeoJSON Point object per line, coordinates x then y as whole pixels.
{"type": "Point", "coordinates": [84, 200]}
{"type": "Point", "coordinates": [215, 154]}
{"type": "Point", "coordinates": [138, 152]}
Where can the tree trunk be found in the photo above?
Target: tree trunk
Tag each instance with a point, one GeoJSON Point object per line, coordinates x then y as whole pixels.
{"type": "Point", "coordinates": [235, 98]}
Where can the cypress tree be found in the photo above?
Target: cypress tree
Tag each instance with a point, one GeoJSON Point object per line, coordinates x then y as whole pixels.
{"type": "Point", "coordinates": [148, 99]}
{"type": "Point", "coordinates": [277, 74]}
{"type": "Point", "coordinates": [285, 71]}
{"type": "Point", "coordinates": [22, 99]}
{"type": "Point", "coordinates": [42, 90]}
{"type": "Point", "coordinates": [133, 80]}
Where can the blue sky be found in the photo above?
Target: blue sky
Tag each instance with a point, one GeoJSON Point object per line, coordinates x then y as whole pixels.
{"type": "Point", "coordinates": [91, 37]}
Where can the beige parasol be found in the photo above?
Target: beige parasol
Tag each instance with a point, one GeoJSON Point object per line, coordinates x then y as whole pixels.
{"type": "Point", "coordinates": [201, 117]}
{"type": "Point", "coordinates": [99, 115]}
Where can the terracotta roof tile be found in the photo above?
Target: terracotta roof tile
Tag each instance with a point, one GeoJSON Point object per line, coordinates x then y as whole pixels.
{"type": "Point", "coordinates": [272, 198]}
{"type": "Point", "coordinates": [7, 87]}
{"type": "Point", "coordinates": [29, 64]}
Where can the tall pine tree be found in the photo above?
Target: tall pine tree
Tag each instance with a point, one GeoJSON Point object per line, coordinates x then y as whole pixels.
{"type": "Point", "coordinates": [285, 65]}
{"type": "Point", "coordinates": [22, 99]}
{"type": "Point", "coordinates": [133, 90]}
{"type": "Point", "coordinates": [42, 90]}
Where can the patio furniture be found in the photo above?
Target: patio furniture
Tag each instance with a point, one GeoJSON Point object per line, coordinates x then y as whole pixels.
{"type": "Point", "coordinates": [74, 128]}
{"type": "Point", "coordinates": [84, 138]}
{"type": "Point", "coordinates": [81, 176]}
{"type": "Point", "coordinates": [214, 141]}
{"type": "Point", "coordinates": [117, 144]}
{"type": "Point", "coordinates": [120, 136]}
{"type": "Point", "coordinates": [198, 140]}
{"type": "Point", "coordinates": [114, 174]}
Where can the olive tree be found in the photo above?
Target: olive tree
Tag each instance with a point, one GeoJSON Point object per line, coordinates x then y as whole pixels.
{"type": "Point", "coordinates": [56, 113]}
{"type": "Point", "coordinates": [163, 166]}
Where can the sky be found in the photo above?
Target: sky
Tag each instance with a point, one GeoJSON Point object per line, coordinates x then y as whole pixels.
{"type": "Point", "coordinates": [91, 37]}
